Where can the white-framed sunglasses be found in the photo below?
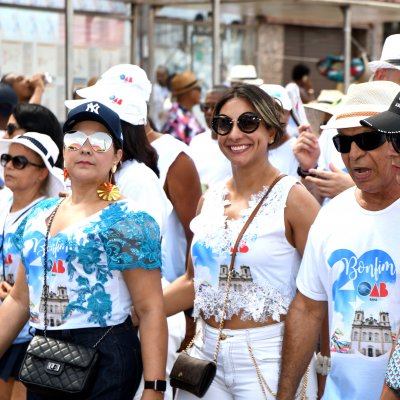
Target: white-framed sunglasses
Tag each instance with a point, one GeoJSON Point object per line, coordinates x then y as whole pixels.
{"type": "Point", "coordinates": [100, 141]}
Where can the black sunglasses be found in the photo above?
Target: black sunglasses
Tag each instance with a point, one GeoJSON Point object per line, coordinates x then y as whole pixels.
{"type": "Point", "coordinates": [11, 128]}
{"type": "Point", "coordinates": [18, 162]}
{"type": "Point", "coordinates": [247, 122]}
{"type": "Point", "coordinates": [366, 141]}
{"type": "Point", "coordinates": [394, 138]}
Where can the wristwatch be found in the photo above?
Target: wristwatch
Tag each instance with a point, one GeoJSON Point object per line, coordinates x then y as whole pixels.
{"type": "Point", "coordinates": [158, 385]}
{"type": "Point", "coordinates": [305, 172]}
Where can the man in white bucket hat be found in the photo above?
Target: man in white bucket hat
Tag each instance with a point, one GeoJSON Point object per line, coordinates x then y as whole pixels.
{"type": "Point", "coordinates": [348, 270]}
{"type": "Point", "coordinates": [387, 68]}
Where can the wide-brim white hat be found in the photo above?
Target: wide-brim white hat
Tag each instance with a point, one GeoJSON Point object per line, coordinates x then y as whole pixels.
{"type": "Point", "coordinates": [45, 147]}
{"type": "Point", "coordinates": [363, 100]}
{"type": "Point", "coordinates": [127, 102]}
{"type": "Point", "coordinates": [326, 101]}
{"type": "Point", "coordinates": [244, 74]}
{"type": "Point", "coordinates": [390, 57]}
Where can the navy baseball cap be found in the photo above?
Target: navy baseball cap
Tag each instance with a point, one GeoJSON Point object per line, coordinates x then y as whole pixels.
{"type": "Point", "coordinates": [386, 121]}
{"type": "Point", "coordinates": [95, 111]}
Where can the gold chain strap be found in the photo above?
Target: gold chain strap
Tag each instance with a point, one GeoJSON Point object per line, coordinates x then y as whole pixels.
{"type": "Point", "coordinates": [302, 395]}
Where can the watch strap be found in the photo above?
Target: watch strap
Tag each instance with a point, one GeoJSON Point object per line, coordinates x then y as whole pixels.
{"type": "Point", "coordinates": [157, 385]}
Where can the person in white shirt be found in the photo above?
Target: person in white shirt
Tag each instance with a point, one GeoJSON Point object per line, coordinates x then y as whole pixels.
{"type": "Point", "coordinates": [211, 164]}
{"type": "Point", "coordinates": [349, 270]}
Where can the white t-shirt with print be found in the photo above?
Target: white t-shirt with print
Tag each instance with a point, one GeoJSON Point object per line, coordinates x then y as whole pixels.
{"type": "Point", "coordinates": [85, 263]}
{"type": "Point", "coordinates": [352, 260]}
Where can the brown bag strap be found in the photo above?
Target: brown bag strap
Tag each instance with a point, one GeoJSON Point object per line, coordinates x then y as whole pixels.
{"type": "Point", "coordinates": [252, 215]}
{"type": "Point", "coordinates": [234, 251]}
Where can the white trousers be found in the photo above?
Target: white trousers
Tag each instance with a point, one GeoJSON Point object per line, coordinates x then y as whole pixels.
{"type": "Point", "coordinates": [236, 377]}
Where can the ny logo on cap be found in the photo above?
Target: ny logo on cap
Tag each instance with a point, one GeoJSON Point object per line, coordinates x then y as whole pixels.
{"type": "Point", "coordinates": [93, 108]}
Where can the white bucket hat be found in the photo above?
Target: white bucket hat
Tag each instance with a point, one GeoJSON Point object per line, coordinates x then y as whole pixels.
{"type": "Point", "coordinates": [363, 100]}
{"type": "Point", "coordinates": [278, 92]}
{"type": "Point", "coordinates": [128, 103]}
{"type": "Point", "coordinates": [117, 77]}
{"type": "Point", "coordinates": [48, 151]}
{"type": "Point", "coordinates": [124, 88]}
{"type": "Point", "coordinates": [390, 57]}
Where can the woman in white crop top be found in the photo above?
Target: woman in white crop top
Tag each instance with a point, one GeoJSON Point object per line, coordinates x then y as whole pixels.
{"type": "Point", "coordinates": [247, 121]}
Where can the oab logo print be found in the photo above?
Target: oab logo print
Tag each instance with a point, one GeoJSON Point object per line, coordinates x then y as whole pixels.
{"type": "Point", "coordinates": [361, 303]}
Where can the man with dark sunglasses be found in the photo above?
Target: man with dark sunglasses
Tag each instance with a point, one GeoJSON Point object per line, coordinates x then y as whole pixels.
{"type": "Point", "coordinates": [349, 271]}
{"type": "Point", "coordinates": [388, 124]}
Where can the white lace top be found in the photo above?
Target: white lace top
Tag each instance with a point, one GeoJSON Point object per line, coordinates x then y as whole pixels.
{"type": "Point", "coordinates": [266, 264]}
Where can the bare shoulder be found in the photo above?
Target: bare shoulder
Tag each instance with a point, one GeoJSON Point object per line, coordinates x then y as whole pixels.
{"type": "Point", "coordinates": [299, 195]}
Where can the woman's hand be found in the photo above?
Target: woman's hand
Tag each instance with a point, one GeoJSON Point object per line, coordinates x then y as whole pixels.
{"type": "Point", "coordinates": [5, 289]}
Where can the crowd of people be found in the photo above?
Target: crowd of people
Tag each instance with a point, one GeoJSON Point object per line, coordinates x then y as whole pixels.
{"type": "Point", "coordinates": [264, 240]}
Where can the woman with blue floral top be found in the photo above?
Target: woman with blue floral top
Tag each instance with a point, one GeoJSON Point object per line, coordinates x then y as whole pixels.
{"type": "Point", "coordinates": [103, 254]}
{"type": "Point", "coordinates": [247, 122]}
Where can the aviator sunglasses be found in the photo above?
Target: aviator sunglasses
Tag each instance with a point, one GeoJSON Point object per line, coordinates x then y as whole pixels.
{"type": "Point", "coordinates": [247, 122]}
{"type": "Point", "coordinates": [100, 141]}
{"type": "Point", "coordinates": [18, 162]}
{"type": "Point", "coordinates": [366, 141]}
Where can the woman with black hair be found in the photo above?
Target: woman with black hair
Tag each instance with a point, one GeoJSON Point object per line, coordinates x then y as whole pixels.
{"type": "Point", "coordinates": [28, 117]}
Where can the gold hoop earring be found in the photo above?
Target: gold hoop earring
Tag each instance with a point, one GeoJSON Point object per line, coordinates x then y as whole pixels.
{"type": "Point", "coordinates": [108, 191]}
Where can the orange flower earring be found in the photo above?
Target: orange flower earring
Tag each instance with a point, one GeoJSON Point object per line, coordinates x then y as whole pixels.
{"type": "Point", "coordinates": [108, 191]}
{"type": "Point", "coordinates": [65, 173]}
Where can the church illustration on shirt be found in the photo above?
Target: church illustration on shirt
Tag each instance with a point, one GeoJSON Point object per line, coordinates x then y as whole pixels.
{"type": "Point", "coordinates": [56, 305]}
{"type": "Point", "coordinates": [240, 280]}
{"type": "Point", "coordinates": [369, 336]}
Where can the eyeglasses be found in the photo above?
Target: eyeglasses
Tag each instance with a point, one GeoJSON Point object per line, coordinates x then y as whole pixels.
{"type": "Point", "coordinates": [18, 162]}
{"type": "Point", "coordinates": [366, 141]}
{"type": "Point", "coordinates": [394, 138]}
{"type": "Point", "coordinates": [11, 128]}
{"type": "Point", "coordinates": [247, 122]}
{"type": "Point", "coordinates": [100, 141]}
{"type": "Point", "coordinates": [205, 107]}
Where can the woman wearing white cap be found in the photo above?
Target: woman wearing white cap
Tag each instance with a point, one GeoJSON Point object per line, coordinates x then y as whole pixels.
{"type": "Point", "coordinates": [28, 169]}
{"type": "Point", "coordinates": [100, 252]}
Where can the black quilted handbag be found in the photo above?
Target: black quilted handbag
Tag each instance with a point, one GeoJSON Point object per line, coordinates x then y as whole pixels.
{"type": "Point", "coordinates": [57, 368]}
{"type": "Point", "coordinates": [53, 367]}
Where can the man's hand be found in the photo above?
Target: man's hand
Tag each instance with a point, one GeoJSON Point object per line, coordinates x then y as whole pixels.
{"type": "Point", "coordinates": [306, 148]}
{"type": "Point", "coordinates": [330, 183]}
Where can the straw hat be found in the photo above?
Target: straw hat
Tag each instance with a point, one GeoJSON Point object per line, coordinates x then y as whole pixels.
{"type": "Point", "coordinates": [363, 100]}
{"type": "Point", "coordinates": [326, 101]}
{"type": "Point", "coordinates": [387, 121]}
{"type": "Point", "coordinates": [44, 146]}
{"type": "Point", "coordinates": [183, 82]}
{"type": "Point", "coordinates": [390, 57]}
